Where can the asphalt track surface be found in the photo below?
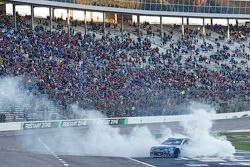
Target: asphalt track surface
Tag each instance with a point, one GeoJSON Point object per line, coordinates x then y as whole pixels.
{"type": "Point", "coordinates": [36, 152]}
{"type": "Point", "coordinates": [241, 158]}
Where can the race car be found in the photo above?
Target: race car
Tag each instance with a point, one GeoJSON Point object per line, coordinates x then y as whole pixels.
{"type": "Point", "coordinates": [170, 148]}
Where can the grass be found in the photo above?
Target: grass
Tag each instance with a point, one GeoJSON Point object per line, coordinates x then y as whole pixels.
{"type": "Point", "coordinates": [241, 140]}
{"type": "Point", "coordinates": [242, 145]}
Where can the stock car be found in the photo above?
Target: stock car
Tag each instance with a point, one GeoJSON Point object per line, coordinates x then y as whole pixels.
{"type": "Point", "coordinates": [170, 148]}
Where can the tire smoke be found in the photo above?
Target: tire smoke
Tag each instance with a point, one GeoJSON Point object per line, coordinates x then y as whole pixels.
{"type": "Point", "coordinates": [16, 97]}
{"type": "Point", "coordinates": [99, 139]}
{"type": "Point", "coordinates": [104, 140]}
{"type": "Point", "coordinates": [203, 142]}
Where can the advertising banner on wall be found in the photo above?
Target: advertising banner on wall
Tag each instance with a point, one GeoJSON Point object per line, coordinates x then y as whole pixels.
{"type": "Point", "coordinates": [73, 123]}
{"type": "Point", "coordinates": [80, 123]}
{"type": "Point", "coordinates": [40, 125]}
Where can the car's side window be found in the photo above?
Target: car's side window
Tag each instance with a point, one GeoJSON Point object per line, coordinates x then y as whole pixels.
{"type": "Point", "coordinates": [186, 142]}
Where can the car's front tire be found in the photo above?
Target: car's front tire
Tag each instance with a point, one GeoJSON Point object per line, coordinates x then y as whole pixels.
{"type": "Point", "coordinates": [176, 153]}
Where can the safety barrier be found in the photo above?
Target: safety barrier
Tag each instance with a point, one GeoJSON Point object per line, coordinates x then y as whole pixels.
{"type": "Point", "coordinates": [10, 126]}
{"type": "Point", "coordinates": [177, 118]}
{"type": "Point", "coordinates": [15, 126]}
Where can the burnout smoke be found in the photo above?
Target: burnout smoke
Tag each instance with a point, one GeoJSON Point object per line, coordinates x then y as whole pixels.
{"type": "Point", "coordinates": [15, 97]}
{"type": "Point", "coordinates": [107, 141]}
{"type": "Point", "coordinates": [10, 91]}
{"type": "Point", "coordinates": [203, 143]}
{"type": "Point", "coordinates": [104, 140]}
{"type": "Point", "coordinates": [99, 139]}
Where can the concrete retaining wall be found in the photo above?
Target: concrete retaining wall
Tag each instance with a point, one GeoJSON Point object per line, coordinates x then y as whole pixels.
{"type": "Point", "coordinates": [15, 126]}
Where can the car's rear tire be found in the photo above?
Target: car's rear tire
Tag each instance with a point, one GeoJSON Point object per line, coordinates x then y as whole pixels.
{"type": "Point", "coordinates": [176, 153]}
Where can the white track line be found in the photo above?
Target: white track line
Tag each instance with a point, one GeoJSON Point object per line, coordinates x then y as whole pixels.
{"type": "Point", "coordinates": [246, 130]}
{"type": "Point", "coordinates": [243, 152]}
{"type": "Point", "coordinates": [52, 152]}
{"type": "Point", "coordinates": [182, 158]}
{"type": "Point", "coordinates": [210, 160]}
{"type": "Point", "coordinates": [244, 164]}
{"type": "Point", "coordinates": [196, 165]}
{"type": "Point", "coordinates": [240, 160]}
{"type": "Point", "coordinates": [141, 162]}
{"type": "Point", "coordinates": [238, 157]}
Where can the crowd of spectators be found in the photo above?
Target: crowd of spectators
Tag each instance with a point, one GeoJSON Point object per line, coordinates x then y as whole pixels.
{"type": "Point", "coordinates": [122, 75]}
{"type": "Point", "coordinates": [237, 33]}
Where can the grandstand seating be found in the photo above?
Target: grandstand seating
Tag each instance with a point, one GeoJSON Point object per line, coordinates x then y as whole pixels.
{"type": "Point", "coordinates": [125, 76]}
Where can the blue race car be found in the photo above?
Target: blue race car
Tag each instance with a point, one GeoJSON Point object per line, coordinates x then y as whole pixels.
{"type": "Point", "coordinates": [170, 148]}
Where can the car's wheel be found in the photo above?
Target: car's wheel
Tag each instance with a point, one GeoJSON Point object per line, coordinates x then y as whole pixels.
{"type": "Point", "coordinates": [176, 153]}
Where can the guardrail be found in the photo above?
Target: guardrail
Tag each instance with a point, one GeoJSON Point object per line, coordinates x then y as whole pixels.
{"type": "Point", "coordinates": [177, 118]}
{"type": "Point", "coordinates": [10, 126]}
{"type": "Point", "coordinates": [16, 126]}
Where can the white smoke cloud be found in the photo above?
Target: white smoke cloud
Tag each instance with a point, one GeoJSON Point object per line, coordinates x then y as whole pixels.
{"type": "Point", "coordinates": [106, 141]}
{"type": "Point", "coordinates": [14, 97]}
{"type": "Point", "coordinates": [203, 142]}
{"type": "Point", "coordinates": [99, 139]}
{"type": "Point", "coordinates": [103, 140]}
{"type": "Point", "coordinates": [10, 90]}
{"type": "Point", "coordinates": [86, 114]}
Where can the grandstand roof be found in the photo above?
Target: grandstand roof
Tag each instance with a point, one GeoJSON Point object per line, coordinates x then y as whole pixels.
{"type": "Point", "coordinates": [191, 8]}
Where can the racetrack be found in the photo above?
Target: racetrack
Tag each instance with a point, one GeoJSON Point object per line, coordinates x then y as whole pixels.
{"type": "Point", "coordinates": [241, 158]}
{"type": "Point", "coordinates": [38, 151]}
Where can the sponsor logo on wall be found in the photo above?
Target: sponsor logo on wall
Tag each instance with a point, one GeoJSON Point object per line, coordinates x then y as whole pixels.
{"type": "Point", "coordinates": [112, 121]}
{"type": "Point", "coordinates": [77, 123]}
{"type": "Point", "coordinates": [37, 125]}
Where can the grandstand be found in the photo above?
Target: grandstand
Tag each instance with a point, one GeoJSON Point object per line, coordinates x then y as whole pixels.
{"type": "Point", "coordinates": [208, 9]}
{"type": "Point", "coordinates": [123, 66]}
